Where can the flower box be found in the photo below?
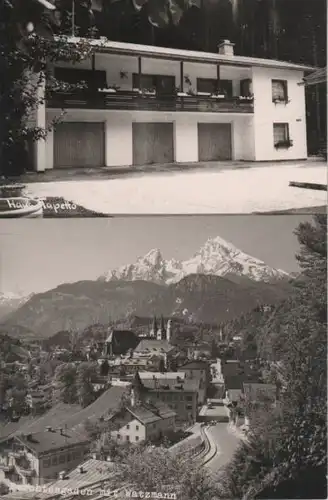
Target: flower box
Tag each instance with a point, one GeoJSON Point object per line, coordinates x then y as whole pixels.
{"type": "Point", "coordinates": [182, 94]}
{"type": "Point", "coordinates": [284, 144]}
{"type": "Point", "coordinates": [205, 94]}
{"type": "Point", "coordinates": [218, 96]}
{"type": "Point", "coordinates": [108, 91]}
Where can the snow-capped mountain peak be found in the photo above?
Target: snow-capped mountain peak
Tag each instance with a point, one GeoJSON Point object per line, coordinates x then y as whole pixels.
{"type": "Point", "coordinates": [10, 301]}
{"type": "Point", "coordinates": [216, 257]}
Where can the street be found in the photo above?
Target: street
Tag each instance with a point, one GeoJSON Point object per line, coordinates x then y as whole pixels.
{"type": "Point", "coordinates": [227, 443]}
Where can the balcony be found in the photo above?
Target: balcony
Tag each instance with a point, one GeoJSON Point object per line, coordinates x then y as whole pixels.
{"type": "Point", "coordinates": [150, 101]}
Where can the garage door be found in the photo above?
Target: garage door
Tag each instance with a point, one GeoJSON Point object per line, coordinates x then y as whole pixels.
{"type": "Point", "coordinates": [152, 143]}
{"type": "Point", "coordinates": [79, 144]}
{"type": "Point", "coordinates": [214, 141]}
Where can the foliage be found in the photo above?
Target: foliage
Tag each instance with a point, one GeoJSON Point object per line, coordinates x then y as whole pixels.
{"type": "Point", "coordinates": [287, 445]}
{"type": "Point", "coordinates": [65, 383]}
{"type": "Point", "coordinates": [156, 469]}
{"type": "Point", "coordinates": [85, 375]}
{"type": "Point", "coordinates": [26, 60]}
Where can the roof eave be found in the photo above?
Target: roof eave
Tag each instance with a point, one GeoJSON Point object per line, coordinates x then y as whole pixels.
{"type": "Point", "coordinates": [203, 57]}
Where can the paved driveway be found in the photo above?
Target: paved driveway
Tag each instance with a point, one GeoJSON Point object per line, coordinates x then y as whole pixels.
{"type": "Point", "coordinates": [198, 191]}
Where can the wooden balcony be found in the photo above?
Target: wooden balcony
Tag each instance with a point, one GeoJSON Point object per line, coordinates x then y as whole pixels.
{"type": "Point", "coordinates": [135, 101]}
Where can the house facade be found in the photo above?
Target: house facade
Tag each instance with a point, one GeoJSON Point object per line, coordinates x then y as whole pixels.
{"type": "Point", "coordinates": [39, 457]}
{"type": "Point", "coordinates": [147, 105]}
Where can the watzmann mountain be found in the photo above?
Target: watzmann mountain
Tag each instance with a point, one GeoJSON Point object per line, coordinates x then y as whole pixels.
{"type": "Point", "coordinates": [216, 257]}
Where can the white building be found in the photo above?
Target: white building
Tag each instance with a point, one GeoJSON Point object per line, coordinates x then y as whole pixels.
{"type": "Point", "coordinates": [160, 105]}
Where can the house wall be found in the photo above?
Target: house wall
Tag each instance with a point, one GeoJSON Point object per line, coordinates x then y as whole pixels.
{"type": "Point", "coordinates": [130, 431]}
{"type": "Point", "coordinates": [52, 463]}
{"type": "Point", "coordinates": [184, 403]}
{"type": "Point", "coordinates": [266, 113]}
{"type": "Point", "coordinates": [119, 141]}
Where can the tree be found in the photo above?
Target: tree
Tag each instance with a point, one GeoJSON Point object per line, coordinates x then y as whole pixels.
{"type": "Point", "coordinates": [85, 375]}
{"type": "Point", "coordinates": [158, 470]}
{"type": "Point", "coordinates": [286, 454]}
{"type": "Point", "coordinates": [26, 59]}
{"type": "Point", "coordinates": [65, 383]}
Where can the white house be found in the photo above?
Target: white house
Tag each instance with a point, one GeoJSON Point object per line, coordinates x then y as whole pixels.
{"type": "Point", "coordinates": [158, 105]}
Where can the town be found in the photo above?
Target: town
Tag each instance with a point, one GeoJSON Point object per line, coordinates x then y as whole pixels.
{"type": "Point", "coordinates": [70, 408]}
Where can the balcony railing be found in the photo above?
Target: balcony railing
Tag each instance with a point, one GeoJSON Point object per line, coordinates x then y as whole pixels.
{"type": "Point", "coordinates": [130, 100]}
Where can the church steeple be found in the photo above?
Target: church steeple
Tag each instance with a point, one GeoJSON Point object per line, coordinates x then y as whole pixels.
{"type": "Point", "coordinates": [154, 328]}
{"type": "Point", "coordinates": [163, 329]}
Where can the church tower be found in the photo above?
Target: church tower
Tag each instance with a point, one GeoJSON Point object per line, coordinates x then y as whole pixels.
{"type": "Point", "coordinates": [169, 330]}
{"type": "Point", "coordinates": [161, 332]}
{"type": "Point", "coordinates": [154, 328]}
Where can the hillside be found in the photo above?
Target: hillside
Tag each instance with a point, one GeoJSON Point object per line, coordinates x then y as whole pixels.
{"type": "Point", "coordinates": [200, 298]}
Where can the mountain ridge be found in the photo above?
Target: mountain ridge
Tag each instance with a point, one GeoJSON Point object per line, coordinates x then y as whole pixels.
{"type": "Point", "coordinates": [216, 257]}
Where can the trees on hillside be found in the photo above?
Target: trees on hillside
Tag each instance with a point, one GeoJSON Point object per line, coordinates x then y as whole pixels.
{"type": "Point", "coordinates": [157, 470]}
{"type": "Point", "coordinates": [286, 456]}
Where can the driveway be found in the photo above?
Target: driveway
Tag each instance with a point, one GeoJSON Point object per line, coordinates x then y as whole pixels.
{"type": "Point", "coordinates": [263, 188]}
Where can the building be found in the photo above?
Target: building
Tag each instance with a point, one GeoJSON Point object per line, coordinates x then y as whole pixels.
{"type": "Point", "coordinates": [39, 457]}
{"type": "Point", "coordinates": [170, 105]}
{"type": "Point", "coordinates": [181, 395]}
{"type": "Point", "coordinates": [200, 371]}
{"type": "Point", "coordinates": [119, 342]}
{"type": "Point", "coordinates": [139, 421]}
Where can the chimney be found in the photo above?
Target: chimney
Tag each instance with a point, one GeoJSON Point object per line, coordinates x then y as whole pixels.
{"type": "Point", "coordinates": [226, 48]}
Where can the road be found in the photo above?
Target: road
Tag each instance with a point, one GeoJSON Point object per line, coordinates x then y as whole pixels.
{"type": "Point", "coordinates": [226, 442]}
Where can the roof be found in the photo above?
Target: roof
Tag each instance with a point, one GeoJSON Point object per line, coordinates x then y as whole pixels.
{"type": "Point", "coordinates": [318, 76]}
{"type": "Point", "coordinates": [93, 471]}
{"type": "Point", "coordinates": [55, 417]}
{"type": "Point", "coordinates": [171, 385]}
{"type": "Point", "coordinates": [195, 365]}
{"type": "Point", "coordinates": [160, 375]}
{"type": "Point", "coordinates": [42, 442]}
{"type": "Point", "coordinates": [122, 48]}
{"type": "Point", "coordinates": [147, 413]}
{"type": "Point", "coordinates": [154, 345]}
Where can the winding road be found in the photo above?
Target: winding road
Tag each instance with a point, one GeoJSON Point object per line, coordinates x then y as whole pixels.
{"type": "Point", "coordinates": [224, 442]}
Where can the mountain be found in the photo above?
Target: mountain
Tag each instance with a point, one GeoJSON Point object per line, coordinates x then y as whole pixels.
{"type": "Point", "coordinates": [196, 297]}
{"type": "Point", "coordinates": [216, 257]}
{"type": "Point", "coordinates": [9, 302]}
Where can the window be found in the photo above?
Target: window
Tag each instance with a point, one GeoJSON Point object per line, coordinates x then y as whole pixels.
{"type": "Point", "coordinates": [137, 427]}
{"type": "Point", "coordinates": [163, 84]}
{"type": "Point", "coordinates": [62, 459]}
{"type": "Point", "coordinates": [69, 457]}
{"type": "Point", "coordinates": [137, 438]}
{"type": "Point", "coordinates": [279, 91]}
{"type": "Point", "coordinates": [54, 460]}
{"type": "Point", "coordinates": [189, 407]}
{"type": "Point", "coordinates": [281, 135]}
{"type": "Point", "coordinates": [211, 85]}
{"type": "Point", "coordinates": [46, 463]}
{"type": "Point", "coordinates": [188, 398]}
{"type": "Point", "coordinates": [128, 438]}
{"type": "Point", "coordinates": [128, 426]}
{"type": "Point", "coordinates": [94, 79]}
{"type": "Point", "coordinates": [118, 436]}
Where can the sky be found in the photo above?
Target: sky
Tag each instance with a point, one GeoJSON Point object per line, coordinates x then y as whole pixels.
{"type": "Point", "coordinates": [37, 255]}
